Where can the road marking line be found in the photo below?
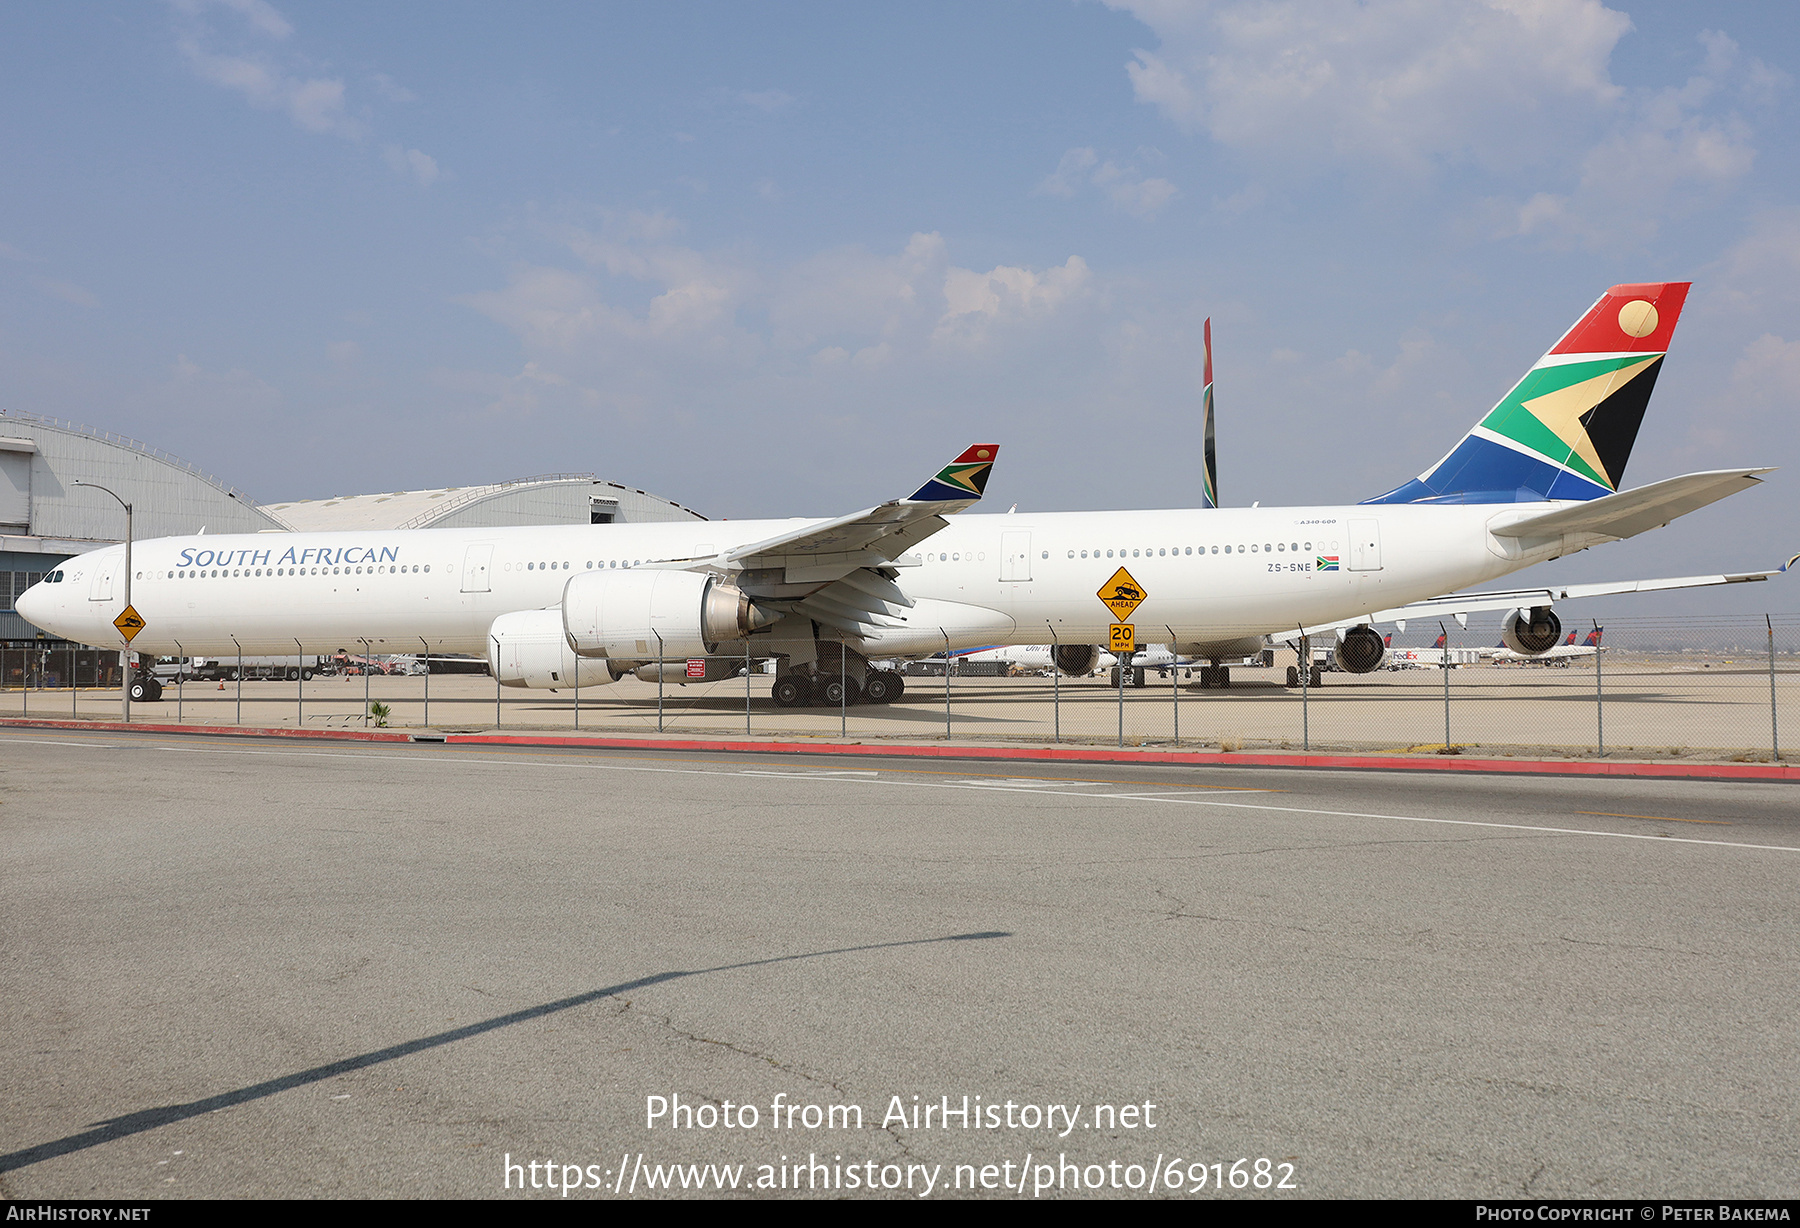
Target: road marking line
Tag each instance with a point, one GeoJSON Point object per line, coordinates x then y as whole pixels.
{"type": "Point", "coordinates": [1607, 814]}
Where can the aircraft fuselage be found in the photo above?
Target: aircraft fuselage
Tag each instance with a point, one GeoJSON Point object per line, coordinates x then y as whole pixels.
{"type": "Point", "coordinates": [1207, 575]}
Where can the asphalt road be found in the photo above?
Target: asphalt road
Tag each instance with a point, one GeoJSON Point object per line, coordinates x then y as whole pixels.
{"type": "Point", "coordinates": [236, 967]}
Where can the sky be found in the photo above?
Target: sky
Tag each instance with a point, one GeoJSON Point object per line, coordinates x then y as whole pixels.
{"type": "Point", "coordinates": [788, 259]}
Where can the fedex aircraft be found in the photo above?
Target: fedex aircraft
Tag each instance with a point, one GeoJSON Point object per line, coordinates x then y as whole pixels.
{"type": "Point", "coordinates": [559, 606]}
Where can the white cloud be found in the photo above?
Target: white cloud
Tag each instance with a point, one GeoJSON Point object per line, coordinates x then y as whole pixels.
{"type": "Point", "coordinates": [67, 291]}
{"type": "Point", "coordinates": [315, 104]}
{"type": "Point", "coordinates": [1760, 273]}
{"type": "Point", "coordinates": [1664, 159]}
{"type": "Point", "coordinates": [1374, 88]}
{"type": "Point", "coordinates": [195, 395]}
{"type": "Point", "coordinates": [421, 166]}
{"type": "Point", "coordinates": [237, 56]}
{"type": "Point", "coordinates": [391, 89]}
{"type": "Point", "coordinates": [261, 15]}
{"type": "Point", "coordinates": [645, 302]}
{"type": "Point", "coordinates": [1127, 189]}
{"type": "Point", "coordinates": [766, 101]}
{"type": "Point", "coordinates": [974, 300]}
{"type": "Point", "coordinates": [1070, 173]}
{"type": "Point", "coordinates": [1401, 82]}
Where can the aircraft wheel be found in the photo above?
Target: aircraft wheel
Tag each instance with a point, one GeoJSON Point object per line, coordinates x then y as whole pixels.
{"type": "Point", "coordinates": [878, 688]}
{"type": "Point", "coordinates": [1224, 675]}
{"type": "Point", "coordinates": [1293, 675]}
{"type": "Point", "coordinates": [1112, 679]}
{"type": "Point", "coordinates": [1137, 676]}
{"type": "Point", "coordinates": [139, 691]}
{"type": "Point", "coordinates": [790, 691]}
{"type": "Point", "coordinates": [834, 691]}
{"type": "Point", "coordinates": [1318, 676]}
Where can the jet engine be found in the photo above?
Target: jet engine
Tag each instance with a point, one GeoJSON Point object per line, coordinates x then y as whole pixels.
{"type": "Point", "coordinates": [1531, 632]}
{"type": "Point", "coordinates": [644, 615]}
{"type": "Point", "coordinates": [1361, 650]}
{"type": "Point", "coordinates": [528, 649]}
{"type": "Point", "coordinates": [1076, 660]}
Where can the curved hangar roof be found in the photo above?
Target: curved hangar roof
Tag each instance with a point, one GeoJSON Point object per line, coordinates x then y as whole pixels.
{"type": "Point", "coordinates": [41, 459]}
{"type": "Point", "coordinates": [43, 511]}
{"type": "Point", "coordinates": [557, 498]}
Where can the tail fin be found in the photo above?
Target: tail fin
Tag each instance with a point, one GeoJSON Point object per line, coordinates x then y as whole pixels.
{"type": "Point", "coordinates": [963, 480]}
{"type": "Point", "coordinates": [1440, 641]}
{"type": "Point", "coordinates": [1209, 479]}
{"type": "Point", "coordinates": [1593, 639]}
{"type": "Point", "coordinates": [1566, 430]}
{"type": "Point", "coordinates": [1570, 640]}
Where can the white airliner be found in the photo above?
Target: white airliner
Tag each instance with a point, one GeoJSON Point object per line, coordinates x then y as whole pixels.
{"type": "Point", "coordinates": [559, 606]}
{"type": "Point", "coordinates": [1562, 654]}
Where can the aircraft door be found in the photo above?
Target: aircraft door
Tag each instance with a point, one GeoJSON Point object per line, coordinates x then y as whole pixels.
{"type": "Point", "coordinates": [102, 587]}
{"type": "Point", "coordinates": [1015, 556]}
{"type": "Point", "coordinates": [477, 563]}
{"type": "Point", "coordinates": [1365, 545]}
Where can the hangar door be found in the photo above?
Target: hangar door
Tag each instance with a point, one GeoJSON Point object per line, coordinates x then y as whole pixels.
{"type": "Point", "coordinates": [15, 488]}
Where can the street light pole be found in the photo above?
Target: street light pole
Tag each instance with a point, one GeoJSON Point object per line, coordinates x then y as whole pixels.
{"type": "Point", "coordinates": [125, 652]}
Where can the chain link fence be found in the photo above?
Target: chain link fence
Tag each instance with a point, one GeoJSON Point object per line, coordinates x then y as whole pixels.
{"type": "Point", "coordinates": [1652, 687]}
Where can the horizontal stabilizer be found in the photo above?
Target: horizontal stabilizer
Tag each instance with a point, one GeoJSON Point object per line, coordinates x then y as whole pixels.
{"type": "Point", "coordinates": [1635, 511]}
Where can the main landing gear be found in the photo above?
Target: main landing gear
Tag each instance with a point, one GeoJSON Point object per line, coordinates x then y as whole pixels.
{"type": "Point", "coordinates": [1317, 677]}
{"type": "Point", "coordinates": [879, 686]}
{"type": "Point", "coordinates": [1215, 676]}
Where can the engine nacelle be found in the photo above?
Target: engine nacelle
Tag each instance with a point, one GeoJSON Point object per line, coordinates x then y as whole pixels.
{"type": "Point", "coordinates": [643, 615]}
{"type": "Point", "coordinates": [1361, 650]}
{"type": "Point", "coordinates": [1077, 660]}
{"type": "Point", "coordinates": [528, 649]}
{"type": "Point", "coordinates": [1533, 632]}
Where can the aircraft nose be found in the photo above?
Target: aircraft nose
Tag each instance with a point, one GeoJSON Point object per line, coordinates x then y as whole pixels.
{"type": "Point", "coordinates": [33, 605]}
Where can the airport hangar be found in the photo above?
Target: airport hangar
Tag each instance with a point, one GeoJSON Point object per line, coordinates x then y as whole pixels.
{"type": "Point", "coordinates": [45, 518]}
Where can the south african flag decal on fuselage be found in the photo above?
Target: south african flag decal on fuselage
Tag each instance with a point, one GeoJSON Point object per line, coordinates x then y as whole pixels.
{"type": "Point", "coordinates": [1326, 562]}
{"type": "Point", "coordinates": [966, 477]}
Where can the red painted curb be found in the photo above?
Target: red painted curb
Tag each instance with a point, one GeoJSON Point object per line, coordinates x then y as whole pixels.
{"type": "Point", "coordinates": [1052, 754]}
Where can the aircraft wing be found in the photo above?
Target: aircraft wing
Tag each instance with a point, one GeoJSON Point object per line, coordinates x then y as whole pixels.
{"type": "Point", "coordinates": [832, 571]}
{"type": "Point", "coordinates": [1460, 605]}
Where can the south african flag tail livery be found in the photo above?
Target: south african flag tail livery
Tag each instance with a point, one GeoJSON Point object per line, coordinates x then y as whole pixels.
{"type": "Point", "coordinates": [1565, 430]}
{"type": "Point", "coordinates": [961, 481]}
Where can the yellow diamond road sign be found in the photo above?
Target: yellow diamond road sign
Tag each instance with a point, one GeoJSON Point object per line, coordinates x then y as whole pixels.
{"type": "Point", "coordinates": [129, 624]}
{"type": "Point", "coordinates": [1121, 594]}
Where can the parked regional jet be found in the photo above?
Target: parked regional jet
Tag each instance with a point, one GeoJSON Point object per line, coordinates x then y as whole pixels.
{"type": "Point", "coordinates": [1537, 478]}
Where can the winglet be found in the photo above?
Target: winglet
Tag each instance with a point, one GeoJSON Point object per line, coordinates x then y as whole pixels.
{"type": "Point", "coordinates": [963, 480]}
